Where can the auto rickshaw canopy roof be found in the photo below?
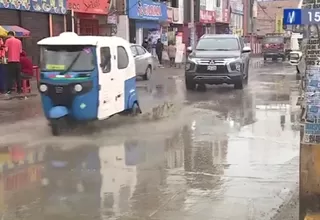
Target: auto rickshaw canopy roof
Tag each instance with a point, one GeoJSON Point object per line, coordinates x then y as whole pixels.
{"type": "Point", "coordinates": [70, 38]}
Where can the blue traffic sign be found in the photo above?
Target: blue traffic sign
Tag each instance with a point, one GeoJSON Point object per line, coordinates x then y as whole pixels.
{"type": "Point", "coordinates": [292, 16]}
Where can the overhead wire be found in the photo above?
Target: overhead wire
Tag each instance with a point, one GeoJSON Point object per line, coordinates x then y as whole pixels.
{"type": "Point", "coordinates": [266, 13]}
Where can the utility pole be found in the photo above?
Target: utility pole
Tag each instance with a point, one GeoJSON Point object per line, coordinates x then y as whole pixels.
{"type": "Point", "coordinates": [192, 32]}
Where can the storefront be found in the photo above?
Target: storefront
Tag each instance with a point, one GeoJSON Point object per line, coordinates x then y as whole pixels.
{"type": "Point", "coordinates": [236, 18]}
{"type": "Point", "coordinates": [90, 17]}
{"type": "Point", "coordinates": [222, 20]}
{"type": "Point", "coordinates": [41, 19]}
{"type": "Point", "coordinates": [207, 21]}
{"type": "Point", "coordinates": [145, 19]}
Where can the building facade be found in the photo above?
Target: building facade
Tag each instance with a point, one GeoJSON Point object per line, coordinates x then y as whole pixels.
{"type": "Point", "coordinates": [269, 15]}
{"type": "Point", "coordinates": [236, 17]}
{"type": "Point", "coordinates": [42, 19]}
{"type": "Point", "coordinates": [88, 17]}
{"type": "Point", "coordinates": [145, 19]}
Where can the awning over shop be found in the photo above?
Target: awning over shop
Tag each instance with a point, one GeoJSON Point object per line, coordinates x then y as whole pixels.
{"type": "Point", "coordinates": [19, 31]}
{"type": "Point", "coordinates": [147, 24]}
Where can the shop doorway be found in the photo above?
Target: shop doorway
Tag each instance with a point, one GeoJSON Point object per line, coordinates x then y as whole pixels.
{"type": "Point", "coordinates": [89, 27]}
{"type": "Point", "coordinates": [132, 31]}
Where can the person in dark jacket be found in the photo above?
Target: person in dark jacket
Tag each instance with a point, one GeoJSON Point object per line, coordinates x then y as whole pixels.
{"type": "Point", "coordinates": [159, 49]}
{"type": "Point", "coordinates": [145, 44]}
{"type": "Point", "coordinates": [26, 66]}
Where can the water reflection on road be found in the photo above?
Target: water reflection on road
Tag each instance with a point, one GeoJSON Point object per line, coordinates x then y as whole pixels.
{"type": "Point", "coordinates": [233, 156]}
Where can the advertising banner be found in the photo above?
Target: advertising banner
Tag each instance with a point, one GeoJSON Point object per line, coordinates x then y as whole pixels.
{"type": "Point", "coordinates": [45, 6]}
{"type": "Point", "coordinates": [90, 6]}
{"type": "Point", "coordinates": [147, 10]}
{"type": "Point", "coordinates": [279, 24]}
{"type": "Point", "coordinates": [207, 17]}
{"type": "Point", "coordinates": [312, 93]}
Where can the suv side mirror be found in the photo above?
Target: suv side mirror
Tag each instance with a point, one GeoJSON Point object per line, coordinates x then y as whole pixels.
{"type": "Point", "coordinates": [295, 57]}
{"type": "Point", "coordinates": [189, 49]}
{"type": "Point", "coordinates": [246, 49]}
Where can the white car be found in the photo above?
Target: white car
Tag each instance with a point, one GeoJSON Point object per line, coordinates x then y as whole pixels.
{"type": "Point", "coordinates": [144, 61]}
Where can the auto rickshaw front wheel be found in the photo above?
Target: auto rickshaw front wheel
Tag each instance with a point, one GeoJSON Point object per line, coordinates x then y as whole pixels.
{"type": "Point", "coordinates": [56, 126]}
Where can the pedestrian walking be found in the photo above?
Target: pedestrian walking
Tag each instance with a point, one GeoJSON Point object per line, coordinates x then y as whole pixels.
{"type": "Point", "coordinates": [13, 48]}
{"type": "Point", "coordinates": [159, 50]}
{"type": "Point", "coordinates": [145, 44]}
{"type": "Point", "coordinates": [172, 53]}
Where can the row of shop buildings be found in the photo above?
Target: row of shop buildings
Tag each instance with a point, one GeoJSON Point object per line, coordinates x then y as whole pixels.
{"type": "Point", "coordinates": [131, 19]}
{"type": "Point", "coordinates": [211, 16]}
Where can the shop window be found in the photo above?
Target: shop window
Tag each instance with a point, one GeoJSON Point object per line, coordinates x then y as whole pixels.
{"type": "Point", "coordinates": [174, 3]}
{"type": "Point", "coordinates": [140, 50]}
{"type": "Point", "coordinates": [218, 3]}
{"type": "Point", "coordinates": [105, 59]}
{"type": "Point", "coordinates": [89, 27]}
{"type": "Point", "coordinates": [123, 58]}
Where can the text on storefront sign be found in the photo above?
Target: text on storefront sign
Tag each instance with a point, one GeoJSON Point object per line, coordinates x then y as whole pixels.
{"type": "Point", "coordinates": [149, 10]}
{"type": "Point", "coordinates": [89, 6]}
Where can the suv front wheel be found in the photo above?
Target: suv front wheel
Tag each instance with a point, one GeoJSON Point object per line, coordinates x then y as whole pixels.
{"type": "Point", "coordinates": [239, 83]}
{"type": "Point", "coordinates": [190, 84]}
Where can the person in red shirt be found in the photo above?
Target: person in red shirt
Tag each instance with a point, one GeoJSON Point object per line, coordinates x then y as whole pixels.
{"type": "Point", "coordinates": [13, 48]}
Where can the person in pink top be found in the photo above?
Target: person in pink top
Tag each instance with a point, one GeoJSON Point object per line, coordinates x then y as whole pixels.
{"type": "Point", "coordinates": [13, 48]}
{"type": "Point", "coordinates": [2, 49]}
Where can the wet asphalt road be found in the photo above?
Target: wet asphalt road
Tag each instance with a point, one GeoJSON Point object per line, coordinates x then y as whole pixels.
{"type": "Point", "coordinates": [220, 154]}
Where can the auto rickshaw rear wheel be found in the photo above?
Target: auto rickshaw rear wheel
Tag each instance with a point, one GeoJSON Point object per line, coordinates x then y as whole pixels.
{"type": "Point", "coordinates": [135, 110]}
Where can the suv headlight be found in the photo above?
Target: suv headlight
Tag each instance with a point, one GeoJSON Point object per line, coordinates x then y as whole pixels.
{"type": "Point", "coordinates": [190, 64]}
{"type": "Point", "coordinates": [234, 65]}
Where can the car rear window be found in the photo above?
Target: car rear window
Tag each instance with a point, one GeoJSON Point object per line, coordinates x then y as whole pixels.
{"type": "Point", "coordinates": [273, 40]}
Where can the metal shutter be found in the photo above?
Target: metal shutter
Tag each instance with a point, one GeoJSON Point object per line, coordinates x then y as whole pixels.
{"type": "Point", "coordinates": [9, 17]}
{"type": "Point", "coordinates": [38, 25]}
{"type": "Point", "coordinates": [58, 24]}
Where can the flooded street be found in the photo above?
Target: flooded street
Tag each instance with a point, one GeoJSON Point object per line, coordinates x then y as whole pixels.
{"type": "Point", "coordinates": [218, 154]}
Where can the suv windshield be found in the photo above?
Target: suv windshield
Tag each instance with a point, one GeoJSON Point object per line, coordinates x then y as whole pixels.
{"type": "Point", "coordinates": [60, 58]}
{"type": "Point", "coordinates": [218, 44]}
{"type": "Point", "coordinates": [273, 40]}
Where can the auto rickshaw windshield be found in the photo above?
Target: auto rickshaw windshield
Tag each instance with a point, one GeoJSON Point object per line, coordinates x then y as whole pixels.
{"type": "Point", "coordinates": [76, 58]}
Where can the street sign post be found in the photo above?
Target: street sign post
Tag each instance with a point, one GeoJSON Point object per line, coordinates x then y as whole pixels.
{"type": "Point", "coordinates": [294, 16]}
